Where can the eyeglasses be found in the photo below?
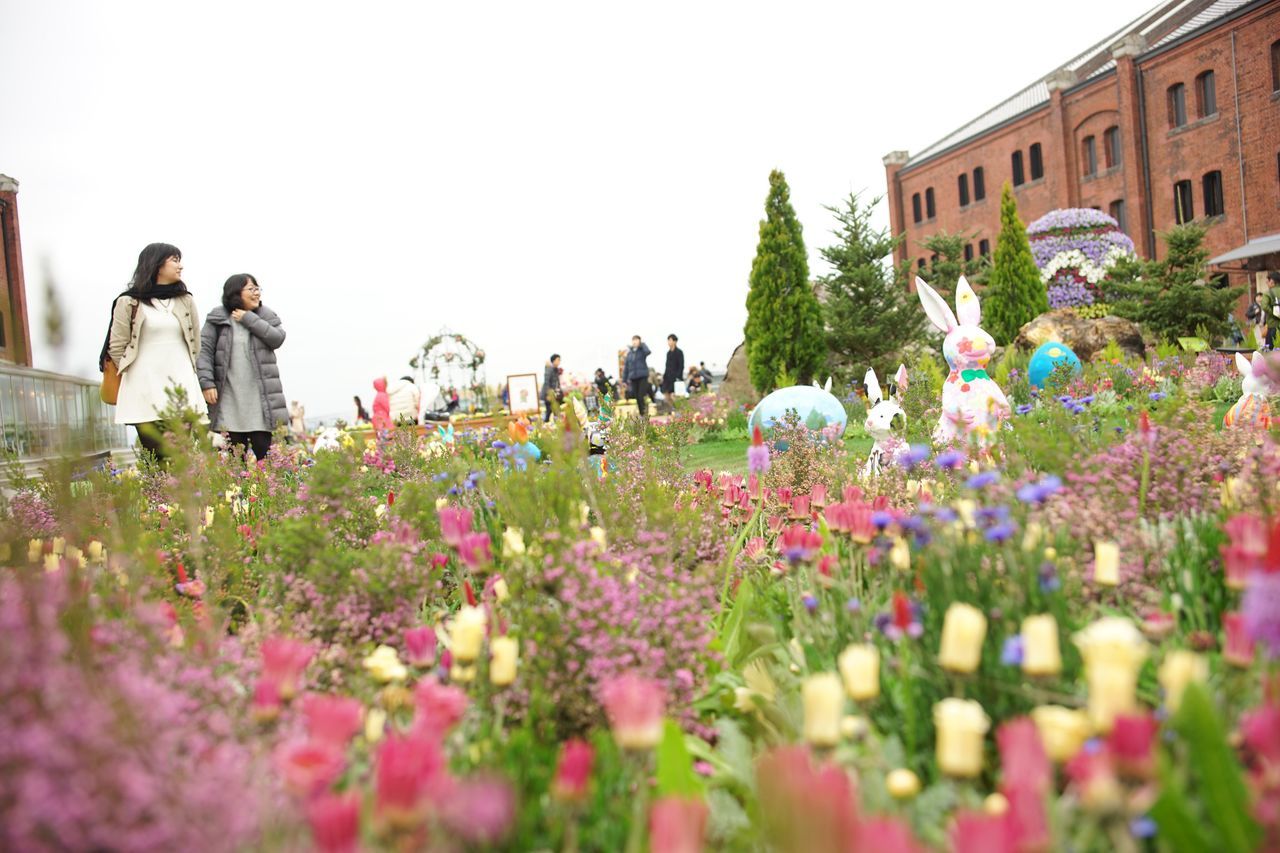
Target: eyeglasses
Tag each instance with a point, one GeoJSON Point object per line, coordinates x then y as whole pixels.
{"type": "Point", "coordinates": [253, 288]}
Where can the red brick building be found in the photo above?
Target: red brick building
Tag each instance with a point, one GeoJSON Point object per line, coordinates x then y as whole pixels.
{"type": "Point", "coordinates": [1174, 116]}
{"type": "Point", "coordinates": [15, 333]}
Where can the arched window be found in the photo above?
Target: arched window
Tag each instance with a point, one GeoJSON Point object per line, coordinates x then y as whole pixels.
{"type": "Point", "coordinates": [1184, 208]}
{"type": "Point", "coordinates": [1206, 95]}
{"type": "Point", "coordinates": [1037, 162]}
{"type": "Point", "coordinates": [963, 188]}
{"type": "Point", "coordinates": [968, 251]}
{"type": "Point", "coordinates": [1211, 185]}
{"type": "Point", "coordinates": [1177, 105]}
{"type": "Point", "coordinates": [1275, 66]}
{"type": "Point", "coordinates": [979, 184]}
{"type": "Point", "coordinates": [1089, 156]}
{"type": "Point", "coordinates": [1018, 177]}
{"type": "Point", "coordinates": [984, 247]}
{"type": "Point", "coordinates": [1111, 147]}
{"type": "Point", "coordinates": [915, 208]}
{"type": "Point", "coordinates": [1117, 213]}
{"type": "Point", "coordinates": [929, 210]}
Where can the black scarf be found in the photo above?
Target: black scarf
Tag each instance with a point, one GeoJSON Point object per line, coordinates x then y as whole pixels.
{"type": "Point", "coordinates": [160, 291]}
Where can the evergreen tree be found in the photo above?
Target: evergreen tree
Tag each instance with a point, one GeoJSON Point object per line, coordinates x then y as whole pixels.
{"type": "Point", "coordinates": [1173, 297]}
{"type": "Point", "coordinates": [784, 320]}
{"type": "Point", "coordinates": [1014, 295]}
{"type": "Point", "coordinates": [870, 316]}
{"type": "Point", "coordinates": [947, 264]}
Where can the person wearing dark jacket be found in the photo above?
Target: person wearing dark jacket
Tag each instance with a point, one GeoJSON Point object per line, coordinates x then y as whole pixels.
{"type": "Point", "coordinates": [635, 372]}
{"type": "Point", "coordinates": [237, 366]}
{"type": "Point", "coordinates": [674, 371]}
{"type": "Point", "coordinates": [551, 385]}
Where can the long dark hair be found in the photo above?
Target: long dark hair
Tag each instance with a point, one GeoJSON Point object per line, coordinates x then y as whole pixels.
{"type": "Point", "coordinates": [231, 299]}
{"type": "Point", "coordinates": [143, 284]}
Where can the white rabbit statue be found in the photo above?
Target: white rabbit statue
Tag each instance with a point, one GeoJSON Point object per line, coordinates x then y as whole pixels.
{"type": "Point", "coordinates": [328, 439]}
{"type": "Point", "coordinates": [973, 406]}
{"type": "Point", "coordinates": [1252, 409]}
{"type": "Point", "coordinates": [879, 424]}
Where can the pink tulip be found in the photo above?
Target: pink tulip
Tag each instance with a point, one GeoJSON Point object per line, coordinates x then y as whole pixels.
{"type": "Point", "coordinates": [455, 523]}
{"type": "Point", "coordinates": [818, 495]}
{"type": "Point", "coordinates": [886, 835]}
{"type": "Point", "coordinates": [267, 704]}
{"type": "Point", "coordinates": [800, 507]}
{"type": "Point", "coordinates": [332, 720]}
{"type": "Point", "coordinates": [335, 822]}
{"type": "Point", "coordinates": [308, 767]}
{"type": "Point", "coordinates": [476, 551]}
{"type": "Point", "coordinates": [1027, 821]}
{"type": "Point", "coordinates": [1248, 532]}
{"type": "Point", "coordinates": [634, 706]}
{"type": "Point", "coordinates": [283, 662]}
{"type": "Point", "coordinates": [410, 769]}
{"type": "Point", "coordinates": [1022, 756]}
{"type": "Point", "coordinates": [1237, 564]}
{"type": "Point", "coordinates": [805, 806]}
{"type": "Point", "coordinates": [973, 832]}
{"type": "Point", "coordinates": [1131, 741]}
{"type": "Point", "coordinates": [420, 646]}
{"type": "Point", "coordinates": [480, 810]}
{"type": "Point", "coordinates": [798, 544]}
{"type": "Point", "coordinates": [852, 494]}
{"type": "Point", "coordinates": [440, 707]}
{"type": "Point", "coordinates": [573, 772]}
{"type": "Point", "coordinates": [677, 825]}
{"type": "Point", "coordinates": [1238, 646]}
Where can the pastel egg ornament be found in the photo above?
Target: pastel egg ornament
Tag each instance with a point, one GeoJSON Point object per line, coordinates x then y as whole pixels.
{"type": "Point", "coordinates": [816, 407]}
{"type": "Point", "coordinates": [1046, 359]}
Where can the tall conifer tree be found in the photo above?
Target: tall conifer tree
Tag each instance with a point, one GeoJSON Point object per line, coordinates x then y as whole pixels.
{"type": "Point", "coordinates": [784, 321]}
{"type": "Point", "coordinates": [1015, 295]}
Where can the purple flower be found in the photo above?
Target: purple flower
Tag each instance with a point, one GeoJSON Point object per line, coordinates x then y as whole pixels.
{"type": "Point", "coordinates": [1024, 409]}
{"type": "Point", "coordinates": [951, 459]}
{"type": "Point", "coordinates": [1011, 652]}
{"type": "Point", "coordinates": [1261, 609]}
{"type": "Point", "coordinates": [1142, 827]}
{"type": "Point", "coordinates": [983, 479]}
{"type": "Point", "coordinates": [881, 519]}
{"type": "Point", "coordinates": [914, 456]}
{"type": "Point", "coordinates": [757, 459]}
{"type": "Point", "coordinates": [1157, 396]}
{"type": "Point", "coordinates": [1035, 493]}
{"type": "Point", "coordinates": [810, 602]}
{"type": "Point", "coordinates": [853, 605]}
{"type": "Point", "coordinates": [999, 533]}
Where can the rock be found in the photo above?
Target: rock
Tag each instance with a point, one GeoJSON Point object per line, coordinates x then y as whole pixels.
{"type": "Point", "coordinates": [737, 378]}
{"type": "Point", "coordinates": [1085, 337]}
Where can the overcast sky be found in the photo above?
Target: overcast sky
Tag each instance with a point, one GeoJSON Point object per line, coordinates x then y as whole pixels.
{"type": "Point", "coordinates": [538, 176]}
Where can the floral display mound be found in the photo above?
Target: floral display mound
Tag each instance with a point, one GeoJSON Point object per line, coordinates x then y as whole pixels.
{"type": "Point", "coordinates": [413, 643]}
{"type": "Point", "coordinates": [1075, 248]}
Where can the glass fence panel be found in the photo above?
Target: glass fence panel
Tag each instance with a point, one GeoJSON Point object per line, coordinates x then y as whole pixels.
{"type": "Point", "coordinates": [45, 414]}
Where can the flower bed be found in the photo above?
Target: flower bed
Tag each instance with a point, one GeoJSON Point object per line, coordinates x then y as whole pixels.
{"type": "Point", "coordinates": [1075, 248]}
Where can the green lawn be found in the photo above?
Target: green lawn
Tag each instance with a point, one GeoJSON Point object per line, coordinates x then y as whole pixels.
{"type": "Point", "coordinates": [732, 455]}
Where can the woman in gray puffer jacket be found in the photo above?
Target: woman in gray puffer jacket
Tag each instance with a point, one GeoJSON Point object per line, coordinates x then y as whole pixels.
{"type": "Point", "coordinates": [237, 366]}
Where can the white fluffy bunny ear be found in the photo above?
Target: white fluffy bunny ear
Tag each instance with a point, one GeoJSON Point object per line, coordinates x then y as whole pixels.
{"type": "Point", "coordinates": [967, 308]}
{"type": "Point", "coordinates": [874, 394]}
{"type": "Point", "coordinates": [1243, 365]}
{"type": "Point", "coordinates": [938, 312]}
{"type": "Point", "coordinates": [1257, 364]}
{"type": "Point", "coordinates": [827, 387]}
{"type": "Point", "coordinates": [901, 378]}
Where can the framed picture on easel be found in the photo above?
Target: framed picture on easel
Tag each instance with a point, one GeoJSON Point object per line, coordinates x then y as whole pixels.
{"type": "Point", "coordinates": [523, 391]}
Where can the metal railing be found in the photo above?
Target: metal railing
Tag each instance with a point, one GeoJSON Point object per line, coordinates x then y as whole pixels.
{"type": "Point", "coordinates": [46, 414]}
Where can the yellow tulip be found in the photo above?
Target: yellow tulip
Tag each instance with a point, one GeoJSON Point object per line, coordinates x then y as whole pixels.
{"type": "Point", "coordinates": [35, 551]}
{"type": "Point", "coordinates": [1063, 731]}
{"type": "Point", "coordinates": [1032, 536]}
{"type": "Point", "coordinates": [1114, 651]}
{"type": "Point", "coordinates": [1040, 653]}
{"type": "Point", "coordinates": [466, 634]}
{"type": "Point", "coordinates": [52, 562]}
{"type": "Point", "coordinates": [59, 545]}
{"type": "Point", "coordinates": [902, 784]}
{"type": "Point", "coordinates": [512, 542]}
{"type": "Point", "coordinates": [961, 725]}
{"type": "Point", "coordinates": [598, 537]}
{"type": "Point", "coordinates": [384, 665]}
{"type": "Point", "coordinates": [1180, 668]}
{"type": "Point", "coordinates": [963, 630]}
{"type": "Point", "coordinates": [503, 653]}
{"type": "Point", "coordinates": [462, 673]}
{"type": "Point", "coordinates": [853, 727]}
{"type": "Point", "coordinates": [97, 553]}
{"type": "Point", "coordinates": [500, 590]}
{"type": "Point", "coordinates": [1106, 564]}
{"type": "Point", "coordinates": [441, 503]}
{"type": "Point", "coordinates": [860, 669]}
{"type": "Point", "coordinates": [823, 709]}
{"type": "Point", "coordinates": [900, 555]}
{"type": "Point", "coordinates": [967, 509]}
{"type": "Point", "coordinates": [995, 804]}
{"type": "Point", "coordinates": [375, 722]}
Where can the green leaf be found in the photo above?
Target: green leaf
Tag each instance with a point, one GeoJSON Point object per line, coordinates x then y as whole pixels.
{"type": "Point", "coordinates": [675, 765]}
{"type": "Point", "coordinates": [1194, 344]}
{"type": "Point", "coordinates": [1172, 814]}
{"type": "Point", "coordinates": [731, 633]}
{"type": "Point", "coordinates": [1222, 786]}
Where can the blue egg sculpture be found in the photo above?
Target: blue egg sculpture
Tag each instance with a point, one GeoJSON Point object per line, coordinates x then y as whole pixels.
{"type": "Point", "coordinates": [817, 408]}
{"type": "Point", "coordinates": [1046, 358]}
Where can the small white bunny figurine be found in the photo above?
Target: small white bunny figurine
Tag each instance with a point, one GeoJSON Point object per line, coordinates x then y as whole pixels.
{"type": "Point", "coordinates": [327, 440]}
{"type": "Point", "coordinates": [881, 416]}
{"type": "Point", "coordinates": [973, 406]}
{"type": "Point", "coordinates": [1252, 409]}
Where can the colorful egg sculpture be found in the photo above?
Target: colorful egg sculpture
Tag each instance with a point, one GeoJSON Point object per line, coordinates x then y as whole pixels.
{"type": "Point", "coordinates": [1045, 360]}
{"type": "Point", "coordinates": [817, 409]}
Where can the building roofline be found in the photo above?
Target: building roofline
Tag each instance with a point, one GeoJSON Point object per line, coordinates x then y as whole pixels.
{"type": "Point", "coordinates": [968, 140]}
{"type": "Point", "coordinates": [1199, 31]}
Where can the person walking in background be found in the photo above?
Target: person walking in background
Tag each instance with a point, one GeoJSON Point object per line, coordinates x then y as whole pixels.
{"type": "Point", "coordinates": [297, 420]}
{"type": "Point", "coordinates": [604, 385]}
{"type": "Point", "coordinates": [635, 372]}
{"type": "Point", "coordinates": [673, 373]}
{"type": "Point", "coordinates": [406, 400]}
{"type": "Point", "coordinates": [237, 367]}
{"type": "Point", "coordinates": [153, 344]}
{"type": "Point", "coordinates": [362, 414]}
{"type": "Point", "coordinates": [551, 385]}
